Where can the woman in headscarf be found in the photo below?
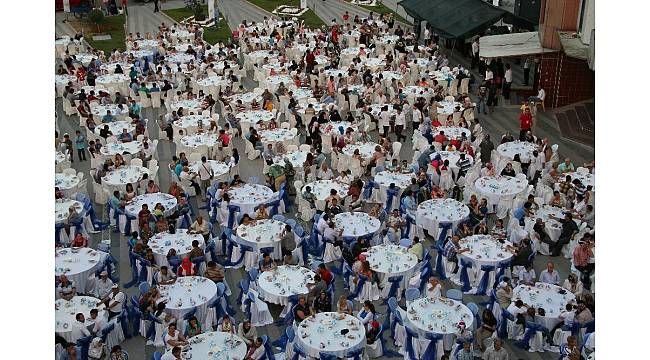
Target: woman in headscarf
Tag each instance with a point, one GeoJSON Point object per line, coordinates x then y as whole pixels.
{"type": "Point", "coordinates": [96, 349]}
{"type": "Point", "coordinates": [186, 268]}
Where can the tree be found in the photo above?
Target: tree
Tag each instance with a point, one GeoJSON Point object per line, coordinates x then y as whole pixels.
{"type": "Point", "coordinates": [96, 16]}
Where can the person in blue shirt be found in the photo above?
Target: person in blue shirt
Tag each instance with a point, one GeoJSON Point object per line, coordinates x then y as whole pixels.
{"type": "Point", "coordinates": [134, 109]}
{"type": "Point", "coordinates": [154, 88]}
{"type": "Point", "coordinates": [108, 118]}
{"type": "Point", "coordinates": [521, 212]}
{"type": "Point", "coordinates": [409, 203]}
{"type": "Point", "coordinates": [115, 200]}
{"type": "Point", "coordinates": [125, 136]}
{"type": "Point", "coordinates": [80, 145]}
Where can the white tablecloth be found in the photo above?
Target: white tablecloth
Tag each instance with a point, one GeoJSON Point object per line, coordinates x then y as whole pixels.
{"type": "Point", "coordinates": [264, 233]}
{"type": "Point", "coordinates": [249, 196]}
{"type": "Point", "coordinates": [181, 241]}
{"type": "Point", "coordinates": [375, 109]}
{"type": "Point", "coordinates": [452, 156]}
{"type": "Point", "coordinates": [439, 316]}
{"type": "Point", "coordinates": [385, 178]}
{"type": "Point", "coordinates": [192, 141]}
{"type": "Point", "coordinates": [112, 80]}
{"type": "Point", "coordinates": [100, 110]}
{"type": "Point", "coordinates": [546, 296]}
{"type": "Point", "coordinates": [272, 82]}
{"type": "Point", "coordinates": [132, 147]}
{"type": "Point", "coordinates": [356, 224]}
{"type": "Point", "coordinates": [336, 72]}
{"type": "Point", "coordinates": [116, 127]}
{"type": "Point", "coordinates": [210, 85]}
{"type": "Point", "coordinates": [391, 260]}
{"type": "Point", "coordinates": [321, 188]}
{"type": "Point", "coordinates": [168, 201]}
{"type": "Point", "coordinates": [252, 117]}
{"type": "Point", "coordinates": [276, 286]}
{"type": "Point", "coordinates": [431, 212]}
{"type": "Point", "coordinates": [302, 93]}
{"type": "Point", "coordinates": [147, 44]}
{"type": "Point", "coordinates": [117, 179]}
{"type": "Point", "coordinates": [182, 34]}
{"type": "Point", "coordinates": [285, 136]}
{"type": "Point", "coordinates": [85, 58]}
{"type": "Point", "coordinates": [366, 149]}
{"type": "Point", "coordinates": [495, 187]}
{"type": "Point", "coordinates": [188, 106]}
{"type": "Point", "coordinates": [186, 293]}
{"type": "Point", "coordinates": [484, 250]}
{"type": "Point", "coordinates": [215, 345]}
{"type": "Point", "coordinates": [390, 75]}
{"type": "Point", "coordinates": [59, 157]}
{"type": "Point", "coordinates": [219, 168]}
{"type": "Point", "coordinates": [180, 58]}
{"type": "Point", "coordinates": [190, 123]}
{"type": "Point", "coordinates": [63, 80]}
{"type": "Point", "coordinates": [510, 149]}
{"type": "Point", "coordinates": [332, 128]}
{"type": "Point", "coordinates": [246, 98]}
{"type": "Point", "coordinates": [586, 179]}
{"type": "Point", "coordinates": [553, 228]}
{"type": "Point", "coordinates": [418, 91]}
{"type": "Point", "coordinates": [297, 159]}
{"type": "Point", "coordinates": [66, 312]}
{"type": "Point", "coordinates": [140, 54]}
{"type": "Point", "coordinates": [318, 107]}
{"type": "Point", "coordinates": [322, 333]}
{"type": "Point", "coordinates": [66, 182]}
{"type": "Point", "coordinates": [110, 67]}
{"type": "Point", "coordinates": [373, 62]}
{"type": "Point", "coordinates": [452, 132]}
{"type": "Point", "coordinates": [77, 264]}
{"type": "Point", "coordinates": [61, 209]}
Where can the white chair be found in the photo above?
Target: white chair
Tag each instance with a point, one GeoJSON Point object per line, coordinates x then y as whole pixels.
{"type": "Point", "coordinates": [194, 157]}
{"type": "Point", "coordinates": [292, 148]}
{"type": "Point", "coordinates": [144, 99]}
{"type": "Point", "coordinates": [155, 99]}
{"type": "Point", "coordinates": [251, 151]}
{"type": "Point", "coordinates": [304, 147]}
{"type": "Point", "coordinates": [136, 162]}
{"type": "Point", "coordinates": [397, 147]}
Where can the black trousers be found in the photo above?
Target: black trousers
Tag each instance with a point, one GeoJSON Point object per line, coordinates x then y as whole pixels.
{"type": "Point", "coordinates": [526, 75]}
{"type": "Point", "coordinates": [398, 132]}
{"type": "Point", "coordinates": [386, 128]}
{"type": "Point", "coordinates": [81, 154]}
{"type": "Point", "coordinates": [506, 90]}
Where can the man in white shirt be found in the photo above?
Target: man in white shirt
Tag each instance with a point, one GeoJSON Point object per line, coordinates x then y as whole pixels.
{"type": "Point", "coordinates": [79, 329]}
{"type": "Point", "coordinates": [114, 302]}
{"type": "Point", "coordinates": [103, 286]}
{"type": "Point", "coordinates": [549, 275]}
{"type": "Point", "coordinates": [497, 352]}
{"type": "Point", "coordinates": [384, 121]}
{"type": "Point", "coordinates": [400, 121]}
{"type": "Point", "coordinates": [205, 174]}
{"type": "Point", "coordinates": [417, 117]}
{"type": "Point", "coordinates": [541, 94]}
{"type": "Point", "coordinates": [325, 173]}
{"type": "Point", "coordinates": [174, 354]}
{"type": "Point", "coordinates": [517, 308]}
{"type": "Point", "coordinates": [527, 275]}
{"type": "Point", "coordinates": [475, 52]}
{"type": "Point", "coordinates": [322, 223]}
{"type": "Point", "coordinates": [507, 82]}
{"type": "Point", "coordinates": [99, 321]}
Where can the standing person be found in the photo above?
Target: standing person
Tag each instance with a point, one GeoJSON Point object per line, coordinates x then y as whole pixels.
{"type": "Point", "coordinates": [400, 121]}
{"type": "Point", "coordinates": [475, 48]}
{"type": "Point", "coordinates": [526, 71]}
{"type": "Point", "coordinates": [482, 98]}
{"type": "Point", "coordinates": [492, 95]}
{"type": "Point", "coordinates": [507, 83]}
{"type": "Point", "coordinates": [80, 145]}
{"type": "Point", "coordinates": [155, 6]}
{"type": "Point", "coordinates": [124, 3]}
{"type": "Point", "coordinates": [525, 123]}
{"type": "Point", "coordinates": [205, 175]}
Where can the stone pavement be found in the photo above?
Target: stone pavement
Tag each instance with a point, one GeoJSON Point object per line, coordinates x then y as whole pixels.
{"type": "Point", "coordinates": [334, 9]}
{"type": "Point", "coordinates": [142, 19]}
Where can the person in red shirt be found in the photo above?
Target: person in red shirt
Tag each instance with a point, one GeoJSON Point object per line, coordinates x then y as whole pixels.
{"type": "Point", "coordinates": [440, 138]}
{"type": "Point", "coordinates": [310, 59]}
{"type": "Point", "coordinates": [346, 17]}
{"type": "Point", "coordinates": [525, 123]}
{"type": "Point", "coordinates": [325, 274]}
{"type": "Point", "coordinates": [224, 138]}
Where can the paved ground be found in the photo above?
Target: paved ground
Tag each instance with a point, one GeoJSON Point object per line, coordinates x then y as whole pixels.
{"type": "Point", "coordinates": [142, 19]}
{"type": "Point", "coordinates": [502, 120]}
{"type": "Point", "coordinates": [334, 9]}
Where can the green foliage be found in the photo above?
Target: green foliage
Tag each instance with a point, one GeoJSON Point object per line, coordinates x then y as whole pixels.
{"type": "Point", "coordinates": [96, 16]}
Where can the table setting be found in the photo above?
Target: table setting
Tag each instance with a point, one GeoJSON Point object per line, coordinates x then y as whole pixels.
{"type": "Point", "coordinates": [116, 111]}
{"type": "Point", "coordinates": [277, 285]}
{"type": "Point", "coordinates": [182, 48]}
{"type": "Point", "coordinates": [551, 298]}
{"type": "Point", "coordinates": [423, 91]}
{"type": "Point", "coordinates": [507, 151]}
{"type": "Point", "coordinates": [76, 264]}
{"type": "Point", "coordinates": [385, 178]}
{"type": "Point", "coordinates": [495, 187]}
{"type": "Point", "coordinates": [181, 241]}
{"type": "Point", "coordinates": [66, 311]}
{"type": "Point", "coordinates": [191, 105]}
{"type": "Point", "coordinates": [145, 44]}
{"type": "Point", "coordinates": [553, 228]}
{"type": "Point", "coordinates": [212, 84]}
{"type": "Point", "coordinates": [168, 201]}
{"type": "Point", "coordinates": [446, 108]}
{"type": "Point", "coordinates": [179, 58]}
{"type": "Point", "coordinates": [114, 148]}
{"type": "Point", "coordinates": [375, 109]}
{"type": "Point", "coordinates": [356, 224]}
{"type": "Point", "coordinates": [333, 127]}
{"type": "Point", "coordinates": [286, 136]}
{"type": "Point", "coordinates": [336, 72]}
{"type": "Point", "coordinates": [585, 178]}
{"type": "Point", "coordinates": [260, 234]}
{"type": "Point", "coordinates": [388, 260]}
{"type": "Point", "coordinates": [110, 67]}
{"type": "Point", "coordinates": [317, 106]}
{"type": "Point", "coordinates": [85, 58]}
{"type": "Point", "coordinates": [390, 75]}
{"type": "Point", "coordinates": [252, 117]}
{"type": "Point", "coordinates": [272, 82]}
{"type": "Point", "coordinates": [219, 168]}
{"type": "Point", "coordinates": [192, 141]}
{"type": "Point", "coordinates": [117, 179]}
{"type": "Point", "coordinates": [432, 212]}
{"type": "Point", "coordinates": [249, 196]}
{"type": "Point", "coordinates": [373, 62]}
{"type": "Point", "coordinates": [296, 158]}
{"type": "Point", "coordinates": [442, 75]}
{"type": "Point", "coordinates": [483, 250]}
{"type": "Point", "coordinates": [141, 54]}
{"type": "Point", "coordinates": [67, 183]}
{"type": "Point", "coordinates": [112, 80]}
{"type": "Point", "coordinates": [321, 188]}
{"type": "Point", "coordinates": [62, 206]}
{"type": "Point", "coordinates": [332, 333]}
{"type": "Point", "coordinates": [59, 157]}
{"type": "Point", "coordinates": [388, 39]}
{"type": "Point", "coordinates": [182, 34]}
{"type": "Point", "coordinates": [439, 316]}
{"type": "Point", "coordinates": [187, 293]}
{"type": "Point", "coordinates": [367, 149]}
{"type": "Point", "coordinates": [116, 127]}
{"type": "Point", "coordinates": [191, 123]}
{"type": "Point", "coordinates": [246, 98]}
{"type": "Point", "coordinates": [215, 345]}
{"type": "Point", "coordinates": [452, 156]}
{"type": "Point", "coordinates": [453, 132]}
{"type": "Point", "coordinates": [302, 93]}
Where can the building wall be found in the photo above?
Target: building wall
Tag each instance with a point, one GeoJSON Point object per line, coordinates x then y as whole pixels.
{"type": "Point", "coordinates": [566, 80]}
{"type": "Point", "coordinates": [558, 15]}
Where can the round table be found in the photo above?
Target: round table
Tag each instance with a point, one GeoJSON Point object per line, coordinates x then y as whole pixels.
{"type": "Point", "coordinates": [586, 179]}
{"type": "Point", "coordinates": [66, 183]}
{"type": "Point", "coordinates": [66, 312]}
{"type": "Point", "coordinates": [296, 158]}
{"type": "Point", "coordinates": [317, 106]}
{"type": "Point", "coordinates": [181, 241]}
{"type": "Point", "coordinates": [302, 93]}
{"type": "Point", "coordinates": [246, 98]}
{"type": "Point", "coordinates": [220, 169]}
{"type": "Point", "coordinates": [484, 250]}
{"type": "Point", "coordinates": [182, 48]}
{"type": "Point", "coordinates": [440, 316]}
{"type": "Point", "coordinates": [356, 224]}
{"type": "Point", "coordinates": [110, 67]}
{"type": "Point", "coordinates": [553, 228]}
{"type": "Point", "coordinates": [385, 178]}
{"type": "Point", "coordinates": [448, 107]}
{"type": "Point", "coordinates": [212, 84]}
{"type": "Point", "coordinates": [510, 149]}
{"type": "Point", "coordinates": [85, 58]}
{"type": "Point", "coordinates": [373, 62]}
{"type": "Point", "coordinates": [59, 157]}
{"type": "Point", "coordinates": [182, 34]}
{"type": "Point", "coordinates": [187, 293]}
{"type": "Point", "coordinates": [100, 110]}
{"type": "Point", "coordinates": [263, 233]}
{"type": "Point", "coordinates": [546, 296]}
{"type": "Point", "coordinates": [116, 127]}
{"type": "Point", "coordinates": [336, 72]}
{"type": "Point", "coordinates": [62, 206]}
{"type": "Point", "coordinates": [388, 38]}
{"type": "Point", "coordinates": [419, 91]}
{"type": "Point", "coordinates": [258, 55]}
{"type": "Point", "coordinates": [168, 201]}
{"type": "Point", "coordinates": [77, 264]}
{"type": "Point", "coordinates": [367, 149]}
{"type": "Point", "coordinates": [391, 260]}
{"type": "Point", "coordinates": [131, 147]}
{"type": "Point", "coordinates": [276, 286]}
{"type": "Point", "coordinates": [495, 187]}
{"type": "Point", "coordinates": [321, 188]}
{"type": "Point", "coordinates": [147, 44]}
{"type": "Point", "coordinates": [285, 136]}
{"type": "Point", "coordinates": [432, 212]}
{"type": "Point", "coordinates": [272, 82]}
{"type": "Point", "coordinates": [215, 345]}
{"type": "Point", "coordinates": [333, 128]}
{"type": "Point", "coordinates": [252, 117]}
{"type": "Point", "coordinates": [249, 196]}
{"type": "Point", "coordinates": [112, 80]}
{"type": "Point", "coordinates": [117, 179]}
{"type": "Point", "coordinates": [390, 75]}
{"type": "Point", "coordinates": [452, 132]}
{"type": "Point", "coordinates": [193, 105]}
{"type": "Point", "coordinates": [141, 54]}
{"type": "Point", "coordinates": [190, 123]}
{"type": "Point", "coordinates": [63, 80]}
{"type": "Point", "coordinates": [452, 156]}
{"type": "Point", "coordinates": [375, 109]}
{"type": "Point", "coordinates": [322, 333]}
{"type": "Point", "coordinates": [193, 141]}
{"type": "Point", "coordinates": [180, 58]}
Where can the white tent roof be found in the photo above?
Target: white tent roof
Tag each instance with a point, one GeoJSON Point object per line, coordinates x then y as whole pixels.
{"type": "Point", "coordinates": [516, 44]}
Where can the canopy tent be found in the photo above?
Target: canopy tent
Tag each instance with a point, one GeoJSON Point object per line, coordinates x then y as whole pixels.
{"type": "Point", "coordinates": [516, 44]}
{"type": "Point", "coordinates": [454, 19]}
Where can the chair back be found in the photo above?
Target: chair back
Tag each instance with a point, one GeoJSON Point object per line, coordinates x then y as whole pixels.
{"type": "Point", "coordinates": [412, 294]}
{"type": "Point", "coordinates": [406, 242]}
{"type": "Point", "coordinates": [455, 294]}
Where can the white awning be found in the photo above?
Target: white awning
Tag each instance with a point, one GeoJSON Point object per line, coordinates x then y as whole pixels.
{"type": "Point", "coordinates": [506, 45]}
